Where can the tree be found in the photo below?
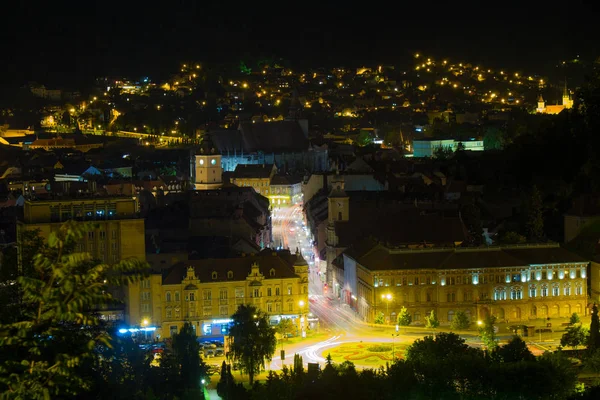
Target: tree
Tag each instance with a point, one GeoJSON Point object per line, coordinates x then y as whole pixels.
{"type": "Point", "coordinates": [379, 318]}
{"type": "Point", "coordinates": [471, 216]}
{"type": "Point", "coordinates": [574, 336]}
{"type": "Point", "coordinates": [431, 320]}
{"type": "Point", "coordinates": [514, 351]}
{"type": "Point", "coordinates": [285, 327]}
{"type": "Point", "coordinates": [442, 152]}
{"type": "Point", "coordinates": [594, 337]}
{"type": "Point", "coordinates": [574, 319]}
{"type": "Point", "coordinates": [56, 333]}
{"type": "Point", "coordinates": [535, 216]}
{"type": "Point", "coordinates": [488, 333]}
{"type": "Point", "coordinates": [404, 318]}
{"type": "Point", "coordinates": [298, 365]}
{"type": "Point", "coordinates": [251, 340]}
{"type": "Point", "coordinates": [492, 138]}
{"type": "Point", "coordinates": [460, 321]}
{"type": "Point", "coordinates": [186, 351]}
{"type": "Point", "coordinates": [512, 238]}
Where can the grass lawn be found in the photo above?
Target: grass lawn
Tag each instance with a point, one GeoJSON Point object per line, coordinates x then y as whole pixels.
{"type": "Point", "coordinates": [365, 354]}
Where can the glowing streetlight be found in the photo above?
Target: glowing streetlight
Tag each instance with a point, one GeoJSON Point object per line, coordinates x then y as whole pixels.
{"type": "Point", "coordinates": [387, 297]}
{"type": "Point", "coordinates": [479, 322]}
{"type": "Point", "coordinates": [145, 322]}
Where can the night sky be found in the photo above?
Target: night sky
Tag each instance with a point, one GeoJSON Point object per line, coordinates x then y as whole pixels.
{"type": "Point", "coordinates": [69, 44]}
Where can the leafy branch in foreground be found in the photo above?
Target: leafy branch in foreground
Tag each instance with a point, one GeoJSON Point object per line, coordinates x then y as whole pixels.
{"type": "Point", "coordinates": [58, 329]}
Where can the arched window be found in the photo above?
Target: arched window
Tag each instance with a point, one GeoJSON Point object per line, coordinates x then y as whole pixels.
{"type": "Point", "coordinates": [533, 311]}
{"type": "Point", "coordinates": [516, 293]}
{"type": "Point", "coordinates": [543, 311]}
{"type": "Point", "coordinates": [450, 315]}
{"type": "Point", "coordinates": [168, 296]}
{"type": "Point", "coordinates": [272, 272]}
{"type": "Point", "coordinates": [229, 274]}
{"type": "Point", "coordinates": [177, 297]}
{"type": "Point", "coordinates": [555, 290]}
{"type": "Point", "coordinates": [578, 290]}
{"type": "Point", "coordinates": [567, 289]}
{"type": "Point", "coordinates": [417, 316]}
{"type": "Point", "coordinates": [544, 291]}
{"type": "Point", "coordinates": [500, 293]}
{"type": "Point", "coordinates": [214, 275]}
{"type": "Point", "coordinates": [192, 296]}
{"type": "Point", "coordinates": [532, 291]}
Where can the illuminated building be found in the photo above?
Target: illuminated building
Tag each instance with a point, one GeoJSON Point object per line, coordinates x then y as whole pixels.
{"type": "Point", "coordinates": [516, 284]}
{"type": "Point", "coordinates": [567, 103]}
{"type": "Point", "coordinates": [118, 232]}
{"type": "Point", "coordinates": [207, 292]}
{"type": "Point", "coordinates": [207, 171]}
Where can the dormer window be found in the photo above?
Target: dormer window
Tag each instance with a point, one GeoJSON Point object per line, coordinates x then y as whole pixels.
{"type": "Point", "coordinates": [229, 274]}
{"type": "Point", "coordinates": [272, 272]}
{"type": "Point", "coordinates": [214, 275]}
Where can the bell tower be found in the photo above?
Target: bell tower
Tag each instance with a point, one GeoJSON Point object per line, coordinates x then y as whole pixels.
{"type": "Point", "coordinates": [541, 108]}
{"type": "Point", "coordinates": [566, 99]}
{"type": "Point", "coordinates": [208, 170]}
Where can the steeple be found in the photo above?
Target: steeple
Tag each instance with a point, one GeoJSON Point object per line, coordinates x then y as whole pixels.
{"type": "Point", "coordinates": [541, 108]}
{"type": "Point", "coordinates": [566, 98]}
{"type": "Point", "coordinates": [295, 110]}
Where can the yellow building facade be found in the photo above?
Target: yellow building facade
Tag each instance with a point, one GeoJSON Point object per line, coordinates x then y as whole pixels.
{"type": "Point", "coordinates": [207, 292]}
{"type": "Point", "coordinates": [515, 284]}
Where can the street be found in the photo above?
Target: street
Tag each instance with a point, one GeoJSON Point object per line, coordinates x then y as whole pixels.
{"type": "Point", "coordinates": [336, 319]}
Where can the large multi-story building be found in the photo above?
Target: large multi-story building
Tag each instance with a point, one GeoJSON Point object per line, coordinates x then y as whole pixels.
{"type": "Point", "coordinates": [117, 234]}
{"type": "Point", "coordinates": [207, 292]}
{"type": "Point", "coordinates": [513, 283]}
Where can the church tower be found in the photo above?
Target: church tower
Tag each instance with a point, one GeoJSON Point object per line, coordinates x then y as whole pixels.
{"type": "Point", "coordinates": [338, 211]}
{"type": "Point", "coordinates": [541, 108]}
{"type": "Point", "coordinates": [567, 101]}
{"type": "Point", "coordinates": [207, 165]}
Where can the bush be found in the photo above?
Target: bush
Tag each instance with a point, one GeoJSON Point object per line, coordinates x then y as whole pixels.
{"type": "Point", "coordinates": [380, 348]}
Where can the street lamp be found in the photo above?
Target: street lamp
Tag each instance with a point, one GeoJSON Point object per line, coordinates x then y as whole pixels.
{"type": "Point", "coordinates": [301, 304]}
{"type": "Point", "coordinates": [387, 297]}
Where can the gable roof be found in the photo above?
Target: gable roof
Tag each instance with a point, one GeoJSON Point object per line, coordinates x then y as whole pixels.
{"type": "Point", "coordinates": [269, 137]}
{"type": "Point", "coordinates": [241, 268]}
{"type": "Point", "coordinates": [377, 257]}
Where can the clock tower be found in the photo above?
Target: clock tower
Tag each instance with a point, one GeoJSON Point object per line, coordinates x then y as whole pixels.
{"type": "Point", "coordinates": [338, 204]}
{"type": "Point", "coordinates": [208, 172]}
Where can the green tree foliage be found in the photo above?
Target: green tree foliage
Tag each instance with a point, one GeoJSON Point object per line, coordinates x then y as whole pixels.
{"type": "Point", "coordinates": [574, 319]}
{"type": "Point", "coordinates": [121, 371]}
{"type": "Point", "coordinates": [17, 264]}
{"type": "Point", "coordinates": [443, 153]}
{"type": "Point", "coordinates": [512, 238]}
{"type": "Point", "coordinates": [379, 318]}
{"type": "Point", "coordinates": [298, 366]}
{"type": "Point", "coordinates": [471, 216]}
{"type": "Point", "coordinates": [493, 138]}
{"type": "Point", "coordinates": [460, 321]}
{"type": "Point", "coordinates": [186, 351]}
{"type": "Point", "coordinates": [514, 351]}
{"type": "Point", "coordinates": [431, 320]}
{"type": "Point", "coordinates": [56, 332]}
{"type": "Point", "coordinates": [535, 216]}
{"type": "Point", "coordinates": [594, 337]}
{"type": "Point", "coordinates": [574, 336]}
{"type": "Point", "coordinates": [227, 389]}
{"type": "Point", "coordinates": [364, 138]}
{"type": "Point", "coordinates": [488, 333]}
{"type": "Point", "coordinates": [285, 327]}
{"type": "Point", "coordinates": [404, 318]}
{"type": "Point", "coordinates": [252, 340]}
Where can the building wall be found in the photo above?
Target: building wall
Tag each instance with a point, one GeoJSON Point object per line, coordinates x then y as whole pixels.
{"type": "Point", "coordinates": [479, 292]}
{"type": "Point", "coordinates": [168, 307]}
{"type": "Point", "coordinates": [574, 224]}
{"type": "Point", "coordinates": [594, 290]}
{"type": "Point", "coordinates": [208, 171]}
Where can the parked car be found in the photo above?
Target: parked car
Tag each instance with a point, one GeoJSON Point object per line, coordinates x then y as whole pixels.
{"type": "Point", "coordinates": [209, 353]}
{"type": "Point", "coordinates": [219, 353]}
